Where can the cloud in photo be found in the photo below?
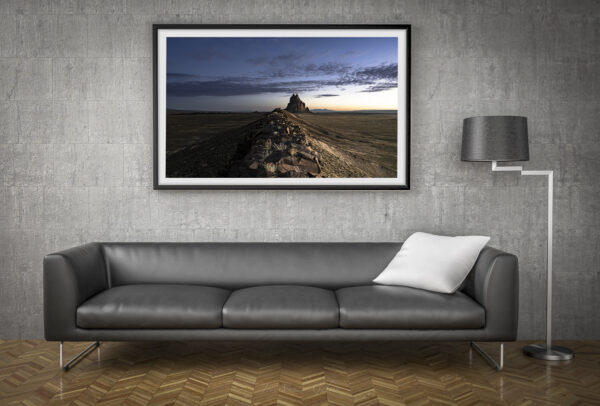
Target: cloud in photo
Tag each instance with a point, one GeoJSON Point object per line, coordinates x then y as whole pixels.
{"type": "Point", "coordinates": [261, 69]}
{"type": "Point", "coordinates": [373, 79]}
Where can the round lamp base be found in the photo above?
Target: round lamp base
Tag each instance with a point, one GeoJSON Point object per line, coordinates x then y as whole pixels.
{"type": "Point", "coordinates": [554, 353]}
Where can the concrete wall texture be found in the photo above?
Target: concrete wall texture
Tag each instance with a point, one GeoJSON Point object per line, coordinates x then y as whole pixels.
{"type": "Point", "coordinates": [76, 142]}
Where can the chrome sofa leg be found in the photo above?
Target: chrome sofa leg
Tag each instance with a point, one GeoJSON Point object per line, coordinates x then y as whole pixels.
{"type": "Point", "coordinates": [78, 357]}
{"type": "Point", "coordinates": [488, 358]}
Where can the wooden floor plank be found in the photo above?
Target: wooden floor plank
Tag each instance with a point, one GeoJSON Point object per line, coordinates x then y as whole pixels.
{"type": "Point", "coordinates": [255, 373]}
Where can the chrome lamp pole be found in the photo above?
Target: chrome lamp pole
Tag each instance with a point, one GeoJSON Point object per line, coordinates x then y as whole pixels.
{"type": "Point", "coordinates": [505, 138]}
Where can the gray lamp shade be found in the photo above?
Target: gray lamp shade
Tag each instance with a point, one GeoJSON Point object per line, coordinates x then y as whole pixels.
{"type": "Point", "coordinates": [495, 138]}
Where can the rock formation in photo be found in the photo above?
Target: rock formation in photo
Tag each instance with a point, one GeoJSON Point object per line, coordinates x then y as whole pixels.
{"type": "Point", "coordinates": [296, 105]}
{"type": "Point", "coordinates": [277, 146]}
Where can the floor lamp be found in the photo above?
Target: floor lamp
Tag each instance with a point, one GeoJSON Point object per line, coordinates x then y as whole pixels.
{"type": "Point", "coordinates": [502, 139]}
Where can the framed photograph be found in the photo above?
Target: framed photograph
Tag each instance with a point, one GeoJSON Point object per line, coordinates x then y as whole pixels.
{"type": "Point", "coordinates": [281, 106]}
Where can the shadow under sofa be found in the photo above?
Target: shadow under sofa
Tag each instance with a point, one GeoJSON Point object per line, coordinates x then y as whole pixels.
{"type": "Point", "coordinates": [266, 291]}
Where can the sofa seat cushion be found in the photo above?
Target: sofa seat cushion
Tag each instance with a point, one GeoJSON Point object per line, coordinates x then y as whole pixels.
{"type": "Point", "coordinates": [281, 307]}
{"type": "Point", "coordinates": [154, 306]}
{"type": "Point", "coordinates": [407, 308]}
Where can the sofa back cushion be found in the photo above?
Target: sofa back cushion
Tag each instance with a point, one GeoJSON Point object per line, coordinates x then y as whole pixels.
{"type": "Point", "coordinates": [238, 265]}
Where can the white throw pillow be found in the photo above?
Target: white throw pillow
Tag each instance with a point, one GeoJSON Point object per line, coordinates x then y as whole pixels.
{"type": "Point", "coordinates": [433, 262]}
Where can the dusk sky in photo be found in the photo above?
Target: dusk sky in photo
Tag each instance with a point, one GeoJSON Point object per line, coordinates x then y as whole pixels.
{"type": "Point", "coordinates": [259, 74]}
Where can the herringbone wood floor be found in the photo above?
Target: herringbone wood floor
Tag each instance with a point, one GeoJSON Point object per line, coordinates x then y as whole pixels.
{"type": "Point", "coordinates": [293, 373]}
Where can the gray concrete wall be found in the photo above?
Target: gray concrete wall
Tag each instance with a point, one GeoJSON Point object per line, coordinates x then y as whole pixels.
{"type": "Point", "coordinates": [76, 134]}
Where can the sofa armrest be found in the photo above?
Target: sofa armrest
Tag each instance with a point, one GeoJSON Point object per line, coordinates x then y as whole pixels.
{"type": "Point", "coordinates": [494, 283]}
{"type": "Point", "coordinates": [70, 277]}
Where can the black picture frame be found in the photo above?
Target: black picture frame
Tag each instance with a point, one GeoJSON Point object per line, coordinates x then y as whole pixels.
{"type": "Point", "coordinates": [158, 186]}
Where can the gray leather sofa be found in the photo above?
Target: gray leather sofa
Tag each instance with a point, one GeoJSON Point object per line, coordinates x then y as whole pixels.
{"type": "Point", "coordinates": [266, 291]}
